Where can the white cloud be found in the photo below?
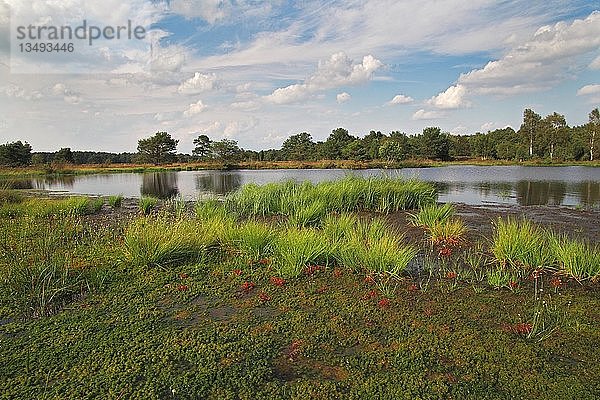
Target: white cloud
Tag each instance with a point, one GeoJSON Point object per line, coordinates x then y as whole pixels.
{"type": "Point", "coordinates": [589, 90]}
{"type": "Point", "coordinates": [69, 96]}
{"type": "Point", "coordinates": [401, 99]}
{"type": "Point", "coordinates": [546, 59]}
{"type": "Point", "coordinates": [221, 11]}
{"type": "Point", "coordinates": [595, 64]}
{"type": "Point", "coordinates": [343, 97]}
{"type": "Point", "coordinates": [198, 83]}
{"type": "Point", "coordinates": [451, 98]}
{"type": "Point", "coordinates": [194, 108]}
{"type": "Point", "coordinates": [487, 126]}
{"type": "Point", "coordinates": [337, 71]}
{"type": "Point", "coordinates": [427, 115]}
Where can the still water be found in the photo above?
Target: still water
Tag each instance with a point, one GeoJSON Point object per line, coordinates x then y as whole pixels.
{"type": "Point", "coordinates": [571, 186]}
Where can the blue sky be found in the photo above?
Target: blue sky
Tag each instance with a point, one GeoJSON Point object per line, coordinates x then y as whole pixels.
{"type": "Point", "coordinates": [257, 71]}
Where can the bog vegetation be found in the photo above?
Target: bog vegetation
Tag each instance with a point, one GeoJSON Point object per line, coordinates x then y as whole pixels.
{"type": "Point", "coordinates": [291, 290]}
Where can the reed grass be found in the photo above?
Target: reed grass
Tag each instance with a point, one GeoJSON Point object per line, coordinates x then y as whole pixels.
{"type": "Point", "coordinates": [147, 204]}
{"type": "Point", "coordinates": [38, 207]}
{"type": "Point", "coordinates": [115, 201]}
{"type": "Point", "coordinates": [297, 248]}
{"type": "Point", "coordinates": [344, 195]}
{"type": "Point", "coordinates": [254, 240]}
{"type": "Point", "coordinates": [577, 259]}
{"type": "Point", "coordinates": [521, 245]}
{"type": "Point", "coordinates": [432, 215]}
{"type": "Point", "coordinates": [166, 242]}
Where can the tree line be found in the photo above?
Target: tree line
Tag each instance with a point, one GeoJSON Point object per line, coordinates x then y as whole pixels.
{"type": "Point", "coordinates": [547, 138]}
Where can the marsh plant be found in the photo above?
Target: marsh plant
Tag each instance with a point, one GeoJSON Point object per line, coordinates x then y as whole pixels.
{"type": "Point", "coordinates": [432, 214]}
{"type": "Point", "coordinates": [147, 204]}
{"type": "Point", "coordinates": [577, 259]}
{"type": "Point", "coordinates": [115, 201]}
{"type": "Point", "coordinates": [521, 245]}
{"type": "Point", "coordinates": [297, 248]}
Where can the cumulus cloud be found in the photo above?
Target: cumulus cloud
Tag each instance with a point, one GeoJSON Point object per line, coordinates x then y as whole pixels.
{"type": "Point", "coordinates": [343, 97]}
{"type": "Point", "coordinates": [337, 71]}
{"type": "Point", "coordinates": [194, 108]}
{"type": "Point", "coordinates": [401, 99]}
{"type": "Point", "coordinates": [588, 90]}
{"type": "Point", "coordinates": [427, 115]}
{"type": "Point", "coordinates": [451, 98]}
{"type": "Point", "coordinates": [198, 83]}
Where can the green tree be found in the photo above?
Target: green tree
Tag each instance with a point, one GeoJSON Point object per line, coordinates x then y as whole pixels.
{"type": "Point", "coordinates": [434, 144]}
{"type": "Point", "coordinates": [336, 142]}
{"type": "Point", "coordinates": [15, 154]}
{"type": "Point", "coordinates": [203, 147]}
{"type": "Point", "coordinates": [226, 150]}
{"type": "Point", "coordinates": [157, 149]}
{"type": "Point", "coordinates": [298, 147]}
{"type": "Point", "coordinates": [64, 155]}
{"type": "Point", "coordinates": [530, 128]}
{"type": "Point", "coordinates": [371, 144]}
{"type": "Point", "coordinates": [593, 129]}
{"type": "Point", "coordinates": [395, 148]}
{"type": "Point", "coordinates": [555, 125]}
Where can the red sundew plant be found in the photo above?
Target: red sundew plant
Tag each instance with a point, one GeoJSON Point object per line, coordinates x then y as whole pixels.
{"type": "Point", "coordinates": [322, 289]}
{"type": "Point", "coordinates": [556, 282]}
{"type": "Point", "coordinates": [277, 281]}
{"type": "Point", "coordinates": [521, 328]}
{"type": "Point", "coordinates": [451, 275]}
{"type": "Point", "coordinates": [312, 269]}
{"type": "Point", "coordinates": [445, 252]}
{"type": "Point", "coordinates": [372, 294]}
{"type": "Point", "coordinates": [183, 276]}
{"type": "Point", "coordinates": [370, 279]}
{"type": "Point", "coordinates": [237, 272]}
{"type": "Point", "coordinates": [383, 303]}
{"type": "Point", "coordinates": [337, 272]}
{"type": "Point", "coordinates": [294, 350]}
{"type": "Point", "coordinates": [263, 297]}
{"type": "Point", "coordinates": [413, 288]}
{"type": "Point", "coordinates": [513, 284]}
{"type": "Point", "coordinates": [182, 288]}
{"type": "Point", "coordinates": [247, 287]}
{"type": "Point", "coordinates": [264, 261]}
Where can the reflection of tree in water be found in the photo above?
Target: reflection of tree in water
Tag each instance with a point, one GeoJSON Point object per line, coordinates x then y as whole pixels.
{"type": "Point", "coordinates": [66, 181]}
{"type": "Point", "coordinates": [219, 182]}
{"type": "Point", "coordinates": [540, 193]}
{"type": "Point", "coordinates": [589, 192]}
{"type": "Point", "coordinates": [442, 187]}
{"type": "Point", "coordinates": [160, 184]}
{"type": "Point", "coordinates": [16, 184]}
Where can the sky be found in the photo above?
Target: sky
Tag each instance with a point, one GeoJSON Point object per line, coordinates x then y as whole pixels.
{"type": "Point", "coordinates": [259, 71]}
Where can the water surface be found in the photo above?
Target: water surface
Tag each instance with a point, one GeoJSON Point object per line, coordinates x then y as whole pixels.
{"type": "Point", "coordinates": [475, 185]}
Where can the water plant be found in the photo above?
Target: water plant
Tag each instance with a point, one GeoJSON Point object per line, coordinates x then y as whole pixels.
{"type": "Point", "coordinates": [147, 204]}
{"type": "Point", "coordinates": [521, 245]}
{"type": "Point", "coordinates": [576, 259]}
{"type": "Point", "coordinates": [295, 248]}
{"type": "Point", "coordinates": [165, 242]}
{"type": "Point", "coordinates": [115, 201]}
{"type": "Point", "coordinates": [254, 240]}
{"type": "Point", "coordinates": [432, 215]}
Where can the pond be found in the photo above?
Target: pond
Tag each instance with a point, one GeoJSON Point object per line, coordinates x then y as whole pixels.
{"type": "Point", "coordinates": [474, 185]}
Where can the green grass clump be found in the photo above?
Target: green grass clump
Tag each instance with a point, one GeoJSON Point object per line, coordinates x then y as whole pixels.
{"type": "Point", "coordinates": [310, 215]}
{"type": "Point", "coordinates": [46, 263]}
{"type": "Point", "coordinates": [370, 247]}
{"type": "Point", "coordinates": [10, 196]}
{"type": "Point", "coordinates": [344, 195]}
{"type": "Point", "coordinates": [432, 215]}
{"type": "Point", "coordinates": [165, 242]}
{"type": "Point", "coordinates": [577, 259]}
{"type": "Point", "coordinates": [206, 210]}
{"type": "Point", "coordinates": [47, 207]}
{"type": "Point", "coordinates": [521, 245]}
{"type": "Point", "coordinates": [147, 204]}
{"type": "Point", "coordinates": [297, 248]}
{"type": "Point", "coordinates": [115, 201]}
{"type": "Point", "coordinates": [254, 240]}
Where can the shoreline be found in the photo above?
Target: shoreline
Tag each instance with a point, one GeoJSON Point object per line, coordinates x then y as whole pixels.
{"type": "Point", "coordinates": [88, 169]}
